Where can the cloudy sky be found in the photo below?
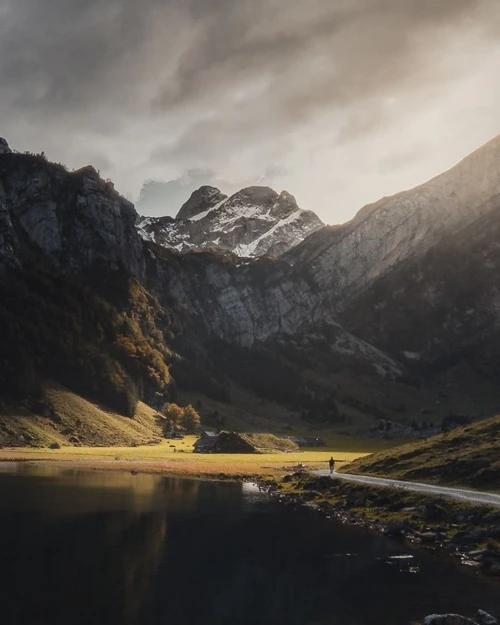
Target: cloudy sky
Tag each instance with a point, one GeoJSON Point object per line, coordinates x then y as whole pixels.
{"type": "Point", "coordinates": [338, 101]}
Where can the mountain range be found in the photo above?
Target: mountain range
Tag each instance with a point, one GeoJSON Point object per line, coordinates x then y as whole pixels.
{"type": "Point", "coordinates": [392, 317]}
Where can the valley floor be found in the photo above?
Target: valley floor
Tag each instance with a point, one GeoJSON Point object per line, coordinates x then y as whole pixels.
{"type": "Point", "coordinates": [176, 458]}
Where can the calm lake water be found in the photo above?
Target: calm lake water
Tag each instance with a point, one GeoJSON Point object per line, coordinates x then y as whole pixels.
{"type": "Point", "coordinates": [114, 548]}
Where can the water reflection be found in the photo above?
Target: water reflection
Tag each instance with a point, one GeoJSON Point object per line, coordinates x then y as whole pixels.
{"type": "Point", "coordinates": [116, 548]}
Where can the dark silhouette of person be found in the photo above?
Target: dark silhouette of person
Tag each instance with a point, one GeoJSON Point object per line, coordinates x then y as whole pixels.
{"type": "Point", "coordinates": [331, 462]}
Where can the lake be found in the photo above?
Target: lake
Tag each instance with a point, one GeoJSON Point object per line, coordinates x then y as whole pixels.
{"type": "Point", "coordinates": [85, 547]}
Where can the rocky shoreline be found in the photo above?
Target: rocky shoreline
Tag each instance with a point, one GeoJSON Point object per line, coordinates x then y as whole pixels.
{"type": "Point", "coordinates": [468, 534]}
{"type": "Point", "coordinates": [481, 618]}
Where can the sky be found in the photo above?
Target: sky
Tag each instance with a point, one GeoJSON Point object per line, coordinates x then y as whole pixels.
{"type": "Point", "coordinates": [340, 102]}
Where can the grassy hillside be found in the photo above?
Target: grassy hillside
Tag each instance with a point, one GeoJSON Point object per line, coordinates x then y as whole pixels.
{"type": "Point", "coordinates": [468, 456]}
{"type": "Point", "coordinates": [76, 421]}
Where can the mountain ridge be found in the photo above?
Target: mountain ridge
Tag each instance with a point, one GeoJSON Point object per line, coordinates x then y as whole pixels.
{"type": "Point", "coordinates": [255, 221]}
{"type": "Point", "coordinates": [343, 259]}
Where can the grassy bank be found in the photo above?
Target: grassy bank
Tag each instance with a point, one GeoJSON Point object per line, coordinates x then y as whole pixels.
{"type": "Point", "coordinates": [467, 456]}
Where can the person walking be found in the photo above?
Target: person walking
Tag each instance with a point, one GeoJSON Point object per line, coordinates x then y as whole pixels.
{"type": "Point", "coordinates": [331, 462]}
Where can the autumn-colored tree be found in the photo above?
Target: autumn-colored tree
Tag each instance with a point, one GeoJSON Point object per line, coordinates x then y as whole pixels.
{"type": "Point", "coordinates": [174, 415]}
{"type": "Point", "coordinates": [190, 418]}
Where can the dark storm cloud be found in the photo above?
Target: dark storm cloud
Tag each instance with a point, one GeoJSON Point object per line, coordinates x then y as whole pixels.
{"type": "Point", "coordinates": [306, 57]}
{"type": "Point", "coordinates": [363, 45]}
{"type": "Point", "coordinates": [66, 55]}
{"type": "Point", "coordinates": [183, 84]}
{"type": "Point", "coordinates": [63, 55]}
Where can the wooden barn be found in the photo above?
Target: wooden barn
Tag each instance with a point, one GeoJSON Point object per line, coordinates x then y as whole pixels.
{"type": "Point", "coordinates": [206, 443]}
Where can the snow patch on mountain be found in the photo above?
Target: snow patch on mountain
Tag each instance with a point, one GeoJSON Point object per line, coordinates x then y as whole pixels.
{"type": "Point", "coordinates": [253, 222]}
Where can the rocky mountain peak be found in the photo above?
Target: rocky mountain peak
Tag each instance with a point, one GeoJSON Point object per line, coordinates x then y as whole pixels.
{"type": "Point", "coordinates": [266, 198]}
{"type": "Point", "coordinates": [4, 146]}
{"type": "Point", "coordinates": [201, 200]}
{"type": "Point", "coordinates": [286, 204]}
{"type": "Point", "coordinates": [287, 197]}
{"type": "Point", "coordinates": [256, 194]}
{"type": "Point", "coordinates": [252, 222]}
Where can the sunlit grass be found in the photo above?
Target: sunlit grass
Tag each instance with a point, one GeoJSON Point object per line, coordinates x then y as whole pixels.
{"type": "Point", "coordinates": [178, 457]}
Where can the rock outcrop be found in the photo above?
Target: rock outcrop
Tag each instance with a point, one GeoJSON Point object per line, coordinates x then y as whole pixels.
{"type": "Point", "coordinates": [238, 443]}
{"type": "Point", "coordinates": [75, 220]}
{"type": "Point", "coordinates": [202, 200]}
{"type": "Point", "coordinates": [4, 146]}
{"type": "Point", "coordinates": [253, 222]}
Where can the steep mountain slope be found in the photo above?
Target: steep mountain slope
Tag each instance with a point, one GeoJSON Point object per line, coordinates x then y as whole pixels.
{"type": "Point", "coordinates": [252, 222]}
{"type": "Point", "coordinates": [442, 307]}
{"type": "Point", "coordinates": [343, 260]}
{"type": "Point", "coordinates": [71, 304]}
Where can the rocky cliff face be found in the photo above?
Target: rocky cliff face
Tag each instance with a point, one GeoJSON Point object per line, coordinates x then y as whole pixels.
{"type": "Point", "coordinates": [4, 146]}
{"type": "Point", "coordinates": [240, 303]}
{"type": "Point", "coordinates": [75, 220]}
{"type": "Point", "coordinates": [253, 222]}
{"type": "Point", "coordinates": [443, 306]}
{"type": "Point", "coordinates": [77, 223]}
{"type": "Point", "coordinates": [79, 227]}
{"type": "Point", "coordinates": [201, 201]}
{"type": "Point", "coordinates": [343, 260]}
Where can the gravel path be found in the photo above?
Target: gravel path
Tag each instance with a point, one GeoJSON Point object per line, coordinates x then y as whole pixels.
{"type": "Point", "coordinates": [472, 496]}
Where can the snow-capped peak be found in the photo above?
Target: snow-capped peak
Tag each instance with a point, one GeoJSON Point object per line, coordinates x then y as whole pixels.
{"type": "Point", "coordinates": [252, 222]}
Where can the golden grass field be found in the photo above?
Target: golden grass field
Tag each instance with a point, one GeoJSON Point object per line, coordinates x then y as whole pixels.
{"type": "Point", "coordinates": [164, 458]}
